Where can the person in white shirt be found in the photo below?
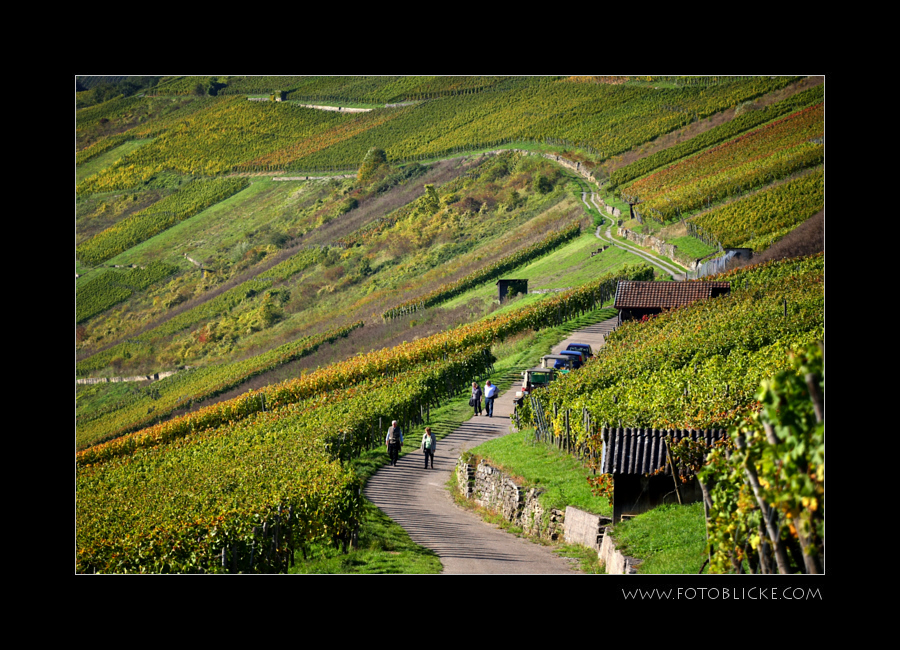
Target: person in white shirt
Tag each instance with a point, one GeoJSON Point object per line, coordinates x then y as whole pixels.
{"type": "Point", "coordinates": [490, 392]}
{"type": "Point", "coordinates": [393, 440]}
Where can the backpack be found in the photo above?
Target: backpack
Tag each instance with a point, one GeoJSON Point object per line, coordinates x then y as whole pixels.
{"type": "Point", "coordinates": [394, 433]}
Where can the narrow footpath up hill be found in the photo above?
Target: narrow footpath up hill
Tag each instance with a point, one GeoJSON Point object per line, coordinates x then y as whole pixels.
{"type": "Point", "coordinates": [418, 499]}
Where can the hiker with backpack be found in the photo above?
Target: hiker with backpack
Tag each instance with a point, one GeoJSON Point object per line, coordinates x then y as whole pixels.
{"type": "Point", "coordinates": [394, 440]}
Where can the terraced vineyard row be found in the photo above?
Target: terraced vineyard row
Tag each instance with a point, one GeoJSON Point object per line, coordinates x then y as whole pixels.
{"type": "Point", "coordinates": [604, 119]}
{"type": "Point", "coordinates": [387, 362]}
{"type": "Point", "coordinates": [98, 294]}
{"type": "Point", "coordinates": [227, 132]}
{"type": "Point", "coordinates": [226, 479]}
{"type": "Point", "coordinates": [757, 220]}
{"type": "Point", "coordinates": [132, 117]}
{"type": "Point", "coordinates": [243, 484]}
{"type": "Point", "coordinates": [230, 468]}
{"type": "Point", "coordinates": [768, 486]}
{"type": "Point", "coordinates": [221, 304]}
{"type": "Point", "coordinates": [715, 136]}
{"type": "Point", "coordinates": [232, 133]}
{"type": "Point", "coordinates": [139, 227]}
{"type": "Point", "coordinates": [343, 89]}
{"type": "Point", "coordinates": [185, 388]}
{"type": "Point", "coordinates": [771, 152]}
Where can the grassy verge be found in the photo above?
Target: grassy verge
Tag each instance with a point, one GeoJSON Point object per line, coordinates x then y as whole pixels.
{"type": "Point", "coordinates": [562, 476]}
{"type": "Point", "coordinates": [588, 561]}
{"type": "Point", "coordinates": [693, 247]}
{"type": "Point", "coordinates": [670, 539]}
{"type": "Point", "coordinates": [384, 547]}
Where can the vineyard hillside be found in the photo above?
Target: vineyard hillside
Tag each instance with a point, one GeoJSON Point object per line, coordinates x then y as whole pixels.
{"type": "Point", "coordinates": [303, 275]}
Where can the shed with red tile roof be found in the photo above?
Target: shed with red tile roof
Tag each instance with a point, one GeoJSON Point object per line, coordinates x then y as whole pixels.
{"type": "Point", "coordinates": [634, 299]}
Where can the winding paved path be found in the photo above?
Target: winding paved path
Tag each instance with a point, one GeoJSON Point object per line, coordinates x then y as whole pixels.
{"type": "Point", "coordinates": [676, 273]}
{"type": "Point", "coordinates": [418, 499]}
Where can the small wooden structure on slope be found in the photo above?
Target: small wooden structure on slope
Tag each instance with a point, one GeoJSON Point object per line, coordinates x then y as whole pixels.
{"type": "Point", "coordinates": [510, 288]}
{"type": "Point", "coordinates": [634, 299]}
{"type": "Point", "coordinates": [642, 476]}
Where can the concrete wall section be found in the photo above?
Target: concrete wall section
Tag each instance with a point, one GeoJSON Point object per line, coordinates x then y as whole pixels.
{"type": "Point", "coordinates": [585, 528]}
{"type": "Point", "coordinates": [615, 562]}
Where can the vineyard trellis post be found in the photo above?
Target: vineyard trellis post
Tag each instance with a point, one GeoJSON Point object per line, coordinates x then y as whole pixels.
{"type": "Point", "coordinates": [673, 469]}
{"type": "Point", "coordinates": [768, 514]}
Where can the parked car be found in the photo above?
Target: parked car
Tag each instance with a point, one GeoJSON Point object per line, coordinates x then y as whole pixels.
{"type": "Point", "coordinates": [582, 347]}
{"type": "Point", "coordinates": [577, 357]}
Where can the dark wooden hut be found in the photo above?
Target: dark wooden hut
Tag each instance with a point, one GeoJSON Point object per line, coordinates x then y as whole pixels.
{"type": "Point", "coordinates": [511, 287]}
{"type": "Point", "coordinates": [642, 479]}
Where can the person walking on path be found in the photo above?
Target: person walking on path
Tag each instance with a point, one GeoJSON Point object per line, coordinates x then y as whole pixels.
{"type": "Point", "coordinates": [394, 440]}
{"type": "Point", "coordinates": [428, 446]}
{"type": "Point", "coordinates": [476, 398]}
{"type": "Point", "coordinates": [490, 393]}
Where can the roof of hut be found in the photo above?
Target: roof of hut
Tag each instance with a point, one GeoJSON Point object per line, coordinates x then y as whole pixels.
{"type": "Point", "coordinates": [631, 294]}
{"type": "Point", "coordinates": [641, 451]}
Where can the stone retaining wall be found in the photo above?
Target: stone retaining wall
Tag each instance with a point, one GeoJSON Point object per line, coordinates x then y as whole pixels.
{"type": "Point", "coordinates": [312, 178]}
{"type": "Point", "coordinates": [610, 210]}
{"type": "Point", "coordinates": [658, 245]}
{"type": "Point", "coordinates": [492, 489]}
{"type": "Point", "coordinates": [337, 109]}
{"type": "Point", "coordinates": [103, 380]}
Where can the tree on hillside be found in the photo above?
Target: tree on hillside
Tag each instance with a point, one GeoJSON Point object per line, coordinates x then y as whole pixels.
{"type": "Point", "coordinates": [374, 160]}
{"type": "Point", "coordinates": [542, 184]}
{"type": "Point", "coordinates": [431, 202]}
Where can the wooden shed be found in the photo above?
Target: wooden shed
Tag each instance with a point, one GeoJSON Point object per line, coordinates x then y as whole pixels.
{"type": "Point", "coordinates": [642, 479]}
{"type": "Point", "coordinates": [510, 288]}
{"type": "Point", "coordinates": [634, 299]}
